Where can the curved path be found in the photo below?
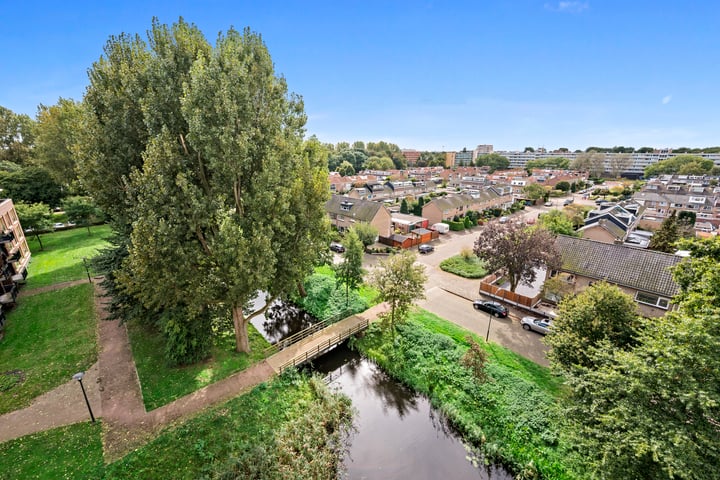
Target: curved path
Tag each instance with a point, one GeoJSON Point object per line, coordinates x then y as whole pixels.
{"type": "Point", "coordinates": [114, 392]}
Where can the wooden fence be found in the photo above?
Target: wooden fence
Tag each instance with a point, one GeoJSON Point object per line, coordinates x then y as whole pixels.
{"type": "Point", "coordinates": [487, 287]}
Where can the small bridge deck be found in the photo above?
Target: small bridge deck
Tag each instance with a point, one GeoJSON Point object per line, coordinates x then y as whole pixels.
{"type": "Point", "coordinates": [317, 342]}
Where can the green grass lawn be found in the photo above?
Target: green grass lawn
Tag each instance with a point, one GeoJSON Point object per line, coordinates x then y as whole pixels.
{"type": "Point", "coordinates": [161, 384]}
{"type": "Point", "coordinates": [74, 451]}
{"type": "Point", "coordinates": [49, 337]}
{"type": "Point", "coordinates": [61, 259]}
{"type": "Point", "coordinates": [468, 267]}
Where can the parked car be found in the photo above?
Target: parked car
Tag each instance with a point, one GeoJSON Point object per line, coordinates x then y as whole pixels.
{"type": "Point", "coordinates": [568, 201]}
{"type": "Point", "coordinates": [336, 247]}
{"type": "Point", "coordinates": [540, 325]}
{"type": "Point", "coordinates": [504, 219]}
{"type": "Point", "coordinates": [491, 307]}
{"type": "Point", "coordinates": [59, 225]}
{"type": "Point", "coordinates": [426, 248]}
{"type": "Point", "coordinates": [548, 204]}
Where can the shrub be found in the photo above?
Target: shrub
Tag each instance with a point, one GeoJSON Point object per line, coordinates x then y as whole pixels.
{"type": "Point", "coordinates": [457, 226]}
{"type": "Point", "coordinates": [467, 267]}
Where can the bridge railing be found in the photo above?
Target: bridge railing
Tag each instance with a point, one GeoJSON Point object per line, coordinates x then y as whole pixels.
{"type": "Point", "coordinates": [327, 344]}
{"type": "Point", "coordinates": [303, 334]}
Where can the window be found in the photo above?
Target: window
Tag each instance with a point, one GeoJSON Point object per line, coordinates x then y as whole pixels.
{"type": "Point", "coordinates": [652, 300]}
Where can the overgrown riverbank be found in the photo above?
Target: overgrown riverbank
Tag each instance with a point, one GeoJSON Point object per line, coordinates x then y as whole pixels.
{"type": "Point", "coordinates": [512, 418]}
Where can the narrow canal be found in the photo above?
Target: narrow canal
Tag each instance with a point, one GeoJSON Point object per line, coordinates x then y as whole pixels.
{"type": "Point", "coordinates": [398, 433]}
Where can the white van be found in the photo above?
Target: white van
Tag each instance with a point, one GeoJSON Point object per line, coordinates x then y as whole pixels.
{"type": "Point", "coordinates": [441, 227]}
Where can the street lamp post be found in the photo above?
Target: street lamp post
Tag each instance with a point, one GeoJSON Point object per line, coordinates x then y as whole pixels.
{"type": "Point", "coordinates": [487, 335]}
{"type": "Point", "coordinates": [87, 270]}
{"type": "Point", "coordinates": [79, 376]}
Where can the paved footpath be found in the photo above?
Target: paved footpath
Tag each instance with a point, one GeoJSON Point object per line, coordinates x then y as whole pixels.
{"type": "Point", "coordinates": [114, 392]}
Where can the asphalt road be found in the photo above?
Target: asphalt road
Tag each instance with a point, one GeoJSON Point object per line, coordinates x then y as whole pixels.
{"type": "Point", "coordinates": [450, 296]}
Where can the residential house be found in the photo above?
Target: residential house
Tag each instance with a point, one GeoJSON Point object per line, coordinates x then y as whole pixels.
{"type": "Point", "coordinates": [611, 223]}
{"type": "Point", "coordinates": [644, 274]}
{"type": "Point", "coordinates": [680, 193]}
{"type": "Point", "coordinates": [446, 208]}
{"type": "Point", "coordinates": [344, 212]}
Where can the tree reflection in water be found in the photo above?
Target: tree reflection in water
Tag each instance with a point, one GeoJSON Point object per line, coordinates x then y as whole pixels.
{"type": "Point", "coordinates": [395, 396]}
{"type": "Point", "coordinates": [283, 319]}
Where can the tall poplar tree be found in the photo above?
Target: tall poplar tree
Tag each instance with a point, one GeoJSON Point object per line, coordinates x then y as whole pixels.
{"type": "Point", "coordinates": [207, 175]}
{"type": "Point", "coordinates": [236, 205]}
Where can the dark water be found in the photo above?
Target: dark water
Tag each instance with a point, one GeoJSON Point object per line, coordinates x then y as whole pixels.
{"type": "Point", "coordinates": [399, 435]}
{"type": "Point", "coordinates": [280, 319]}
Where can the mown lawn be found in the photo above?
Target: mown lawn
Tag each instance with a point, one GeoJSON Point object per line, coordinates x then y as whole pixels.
{"type": "Point", "coordinates": [512, 418]}
{"type": "Point", "coordinates": [68, 452]}
{"type": "Point", "coordinates": [49, 337]}
{"type": "Point", "coordinates": [162, 384]}
{"type": "Point", "coordinates": [61, 259]}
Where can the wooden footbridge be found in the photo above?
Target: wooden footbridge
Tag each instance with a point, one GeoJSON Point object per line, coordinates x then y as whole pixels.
{"type": "Point", "coordinates": [314, 341]}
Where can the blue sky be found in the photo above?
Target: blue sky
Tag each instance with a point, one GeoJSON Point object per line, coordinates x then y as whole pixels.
{"type": "Point", "coordinates": [428, 75]}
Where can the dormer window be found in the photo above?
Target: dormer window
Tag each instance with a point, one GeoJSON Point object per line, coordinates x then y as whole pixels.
{"type": "Point", "coordinates": [346, 206]}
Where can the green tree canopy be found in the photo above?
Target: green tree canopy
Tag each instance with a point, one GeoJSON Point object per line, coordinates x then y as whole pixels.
{"type": "Point", "coordinates": [601, 313]}
{"type": "Point", "coordinates": [652, 411]}
{"type": "Point", "coordinates": [399, 281]}
{"type": "Point", "coordinates": [31, 185]}
{"type": "Point", "coordinates": [345, 169]}
{"type": "Point", "coordinates": [534, 191]}
{"type": "Point", "coordinates": [560, 163]}
{"type": "Point", "coordinates": [197, 152]}
{"type": "Point", "coordinates": [56, 138]}
{"type": "Point", "coordinates": [493, 160]}
{"type": "Point", "coordinates": [35, 216]}
{"type": "Point", "coordinates": [563, 185]}
{"type": "Point", "coordinates": [350, 271]}
{"type": "Point", "coordinates": [557, 223]}
{"type": "Point", "coordinates": [366, 233]}
{"type": "Point", "coordinates": [680, 165]}
{"type": "Point", "coordinates": [17, 137]}
{"type": "Point", "coordinates": [518, 250]}
{"type": "Point", "coordinates": [81, 211]}
{"type": "Point", "coordinates": [671, 230]}
{"type": "Point", "coordinates": [379, 163]}
{"type": "Point", "coordinates": [591, 161]}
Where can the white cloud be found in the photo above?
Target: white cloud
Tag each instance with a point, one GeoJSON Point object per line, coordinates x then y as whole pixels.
{"type": "Point", "coordinates": [568, 6]}
{"type": "Point", "coordinates": [666, 99]}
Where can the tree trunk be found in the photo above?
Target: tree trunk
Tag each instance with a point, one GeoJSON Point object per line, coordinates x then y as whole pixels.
{"type": "Point", "coordinates": [242, 342]}
{"type": "Point", "coordinates": [37, 235]}
{"type": "Point", "coordinates": [301, 289]}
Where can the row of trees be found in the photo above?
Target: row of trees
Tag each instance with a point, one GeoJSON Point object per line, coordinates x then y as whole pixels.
{"type": "Point", "coordinates": [349, 159]}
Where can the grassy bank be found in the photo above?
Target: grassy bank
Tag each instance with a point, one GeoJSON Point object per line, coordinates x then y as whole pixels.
{"type": "Point", "coordinates": [161, 384]}
{"type": "Point", "coordinates": [287, 428]}
{"type": "Point", "coordinates": [512, 417]}
{"type": "Point", "coordinates": [61, 259]}
{"type": "Point", "coordinates": [238, 436]}
{"type": "Point", "coordinates": [48, 337]}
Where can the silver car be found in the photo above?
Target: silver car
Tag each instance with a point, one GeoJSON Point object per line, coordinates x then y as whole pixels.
{"type": "Point", "coordinates": [540, 325]}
